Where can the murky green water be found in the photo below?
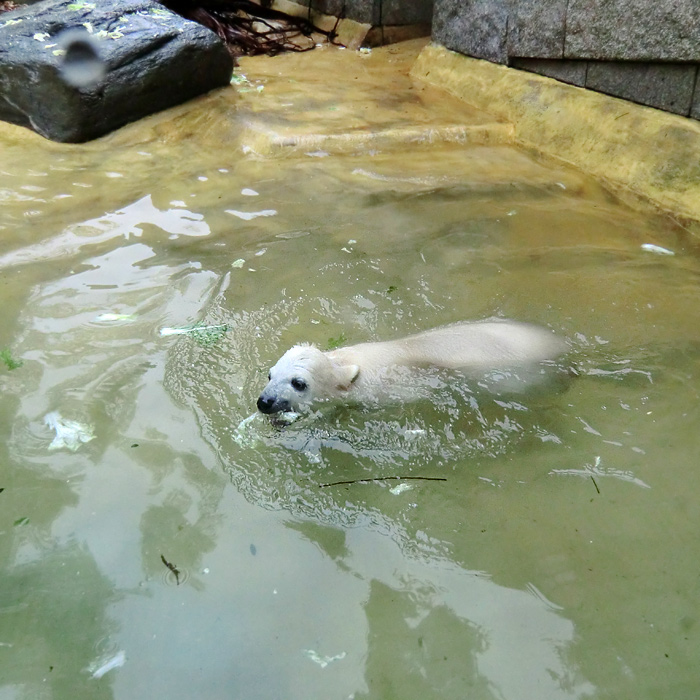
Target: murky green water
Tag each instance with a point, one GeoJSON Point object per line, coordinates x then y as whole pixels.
{"type": "Point", "coordinates": [558, 559]}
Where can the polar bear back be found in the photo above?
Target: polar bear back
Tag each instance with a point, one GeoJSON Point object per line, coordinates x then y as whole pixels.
{"type": "Point", "coordinates": [475, 345]}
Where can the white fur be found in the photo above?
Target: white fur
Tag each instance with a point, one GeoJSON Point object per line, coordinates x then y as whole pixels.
{"type": "Point", "coordinates": [361, 371]}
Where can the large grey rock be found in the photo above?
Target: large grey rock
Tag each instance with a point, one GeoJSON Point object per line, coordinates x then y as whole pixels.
{"type": "Point", "coordinates": [633, 30]}
{"type": "Point", "coordinates": [473, 27]}
{"type": "Point", "coordinates": [402, 12]}
{"type": "Point", "coordinates": [536, 29]}
{"type": "Point", "coordinates": [668, 86]}
{"type": "Point", "coordinates": [149, 59]}
{"type": "Point", "coordinates": [572, 72]}
{"type": "Point", "coordinates": [695, 106]}
{"type": "Point", "coordinates": [364, 11]}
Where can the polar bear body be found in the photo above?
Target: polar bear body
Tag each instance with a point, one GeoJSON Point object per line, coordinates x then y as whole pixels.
{"type": "Point", "coordinates": [305, 375]}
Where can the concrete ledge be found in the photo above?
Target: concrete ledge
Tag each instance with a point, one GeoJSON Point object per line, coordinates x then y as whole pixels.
{"type": "Point", "coordinates": [650, 153]}
{"type": "Point", "coordinates": [264, 142]}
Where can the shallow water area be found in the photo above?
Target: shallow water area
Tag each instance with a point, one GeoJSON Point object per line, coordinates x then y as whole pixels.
{"type": "Point", "coordinates": [159, 538]}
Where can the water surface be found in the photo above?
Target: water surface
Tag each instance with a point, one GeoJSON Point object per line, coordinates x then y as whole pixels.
{"type": "Point", "coordinates": [557, 559]}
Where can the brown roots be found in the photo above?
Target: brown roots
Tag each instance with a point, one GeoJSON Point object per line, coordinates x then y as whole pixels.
{"type": "Point", "coordinates": [250, 28]}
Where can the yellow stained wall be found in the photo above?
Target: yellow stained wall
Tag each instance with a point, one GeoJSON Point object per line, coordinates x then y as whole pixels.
{"type": "Point", "coordinates": [651, 153]}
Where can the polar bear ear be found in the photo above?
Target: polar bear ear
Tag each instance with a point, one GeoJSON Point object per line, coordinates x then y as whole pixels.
{"type": "Point", "coordinates": [347, 374]}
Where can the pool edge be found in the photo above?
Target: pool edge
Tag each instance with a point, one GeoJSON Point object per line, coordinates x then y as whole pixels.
{"type": "Point", "coordinates": [650, 154]}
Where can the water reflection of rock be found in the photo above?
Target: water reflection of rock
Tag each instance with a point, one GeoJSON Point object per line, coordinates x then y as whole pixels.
{"type": "Point", "coordinates": [59, 596]}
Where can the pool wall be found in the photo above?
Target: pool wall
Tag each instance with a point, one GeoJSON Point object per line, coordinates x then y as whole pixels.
{"type": "Point", "coordinates": [647, 152]}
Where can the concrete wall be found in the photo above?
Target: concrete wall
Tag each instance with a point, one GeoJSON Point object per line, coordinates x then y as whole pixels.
{"type": "Point", "coordinates": [647, 51]}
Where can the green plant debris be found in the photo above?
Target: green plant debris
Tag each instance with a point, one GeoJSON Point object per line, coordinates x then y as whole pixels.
{"type": "Point", "coordinates": [334, 343]}
{"type": "Point", "coordinates": [391, 288]}
{"type": "Point", "coordinates": [239, 79]}
{"type": "Point", "coordinates": [203, 335]}
{"type": "Point", "coordinates": [114, 34]}
{"type": "Point", "coordinates": [81, 6]}
{"type": "Point", "coordinates": [10, 362]}
{"type": "Point", "coordinates": [20, 521]}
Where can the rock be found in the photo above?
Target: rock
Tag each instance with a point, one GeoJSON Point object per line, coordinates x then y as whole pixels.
{"type": "Point", "coordinates": [572, 72]}
{"type": "Point", "coordinates": [536, 29]}
{"type": "Point", "coordinates": [400, 12]}
{"type": "Point", "coordinates": [667, 86]}
{"type": "Point", "coordinates": [365, 11]}
{"type": "Point", "coordinates": [74, 70]}
{"type": "Point", "coordinates": [474, 27]}
{"type": "Point", "coordinates": [663, 30]}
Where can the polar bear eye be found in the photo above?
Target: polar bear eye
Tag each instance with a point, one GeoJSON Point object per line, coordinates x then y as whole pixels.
{"type": "Point", "coordinates": [299, 384]}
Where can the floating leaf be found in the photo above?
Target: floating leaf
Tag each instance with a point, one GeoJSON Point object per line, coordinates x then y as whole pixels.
{"type": "Point", "coordinates": [334, 343]}
{"type": "Point", "coordinates": [204, 335]}
{"type": "Point", "coordinates": [10, 362]}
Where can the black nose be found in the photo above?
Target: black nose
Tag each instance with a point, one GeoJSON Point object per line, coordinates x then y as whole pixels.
{"type": "Point", "coordinates": [265, 404]}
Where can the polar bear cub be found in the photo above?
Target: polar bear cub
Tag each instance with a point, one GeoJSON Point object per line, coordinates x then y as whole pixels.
{"type": "Point", "coordinates": [305, 375]}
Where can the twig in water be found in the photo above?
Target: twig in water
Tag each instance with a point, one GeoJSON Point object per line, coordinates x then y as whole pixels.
{"type": "Point", "coordinates": [382, 478]}
{"type": "Point", "coordinates": [172, 568]}
{"type": "Point", "coordinates": [596, 485]}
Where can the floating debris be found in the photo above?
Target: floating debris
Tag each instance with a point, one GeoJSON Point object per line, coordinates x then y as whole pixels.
{"type": "Point", "coordinates": [651, 248]}
{"type": "Point", "coordinates": [204, 335]}
{"type": "Point", "coordinates": [69, 433]}
{"type": "Point", "coordinates": [115, 317]}
{"type": "Point", "coordinates": [334, 343]}
{"type": "Point", "coordinates": [285, 418]}
{"type": "Point", "coordinates": [10, 362]}
{"type": "Point", "coordinates": [172, 568]}
{"type": "Point", "coordinates": [246, 191]}
{"type": "Point", "coordinates": [593, 470]}
{"type": "Point", "coordinates": [400, 488]}
{"type": "Point", "coordinates": [106, 664]}
{"type": "Point", "coordinates": [323, 661]}
{"type": "Point", "coordinates": [238, 263]}
{"type": "Point", "coordinates": [239, 79]}
{"type": "Point", "coordinates": [248, 216]}
{"type": "Point", "coordinates": [375, 479]}
{"type": "Point", "coordinates": [242, 435]}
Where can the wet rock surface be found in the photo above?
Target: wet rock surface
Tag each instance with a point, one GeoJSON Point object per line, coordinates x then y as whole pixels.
{"type": "Point", "coordinates": [74, 71]}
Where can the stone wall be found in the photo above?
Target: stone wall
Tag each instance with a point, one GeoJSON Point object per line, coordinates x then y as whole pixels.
{"type": "Point", "coordinates": [377, 12]}
{"type": "Point", "coordinates": [390, 20]}
{"type": "Point", "coordinates": [647, 51]}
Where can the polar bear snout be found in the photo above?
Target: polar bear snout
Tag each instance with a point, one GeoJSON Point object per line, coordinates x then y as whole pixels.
{"type": "Point", "coordinates": [271, 404]}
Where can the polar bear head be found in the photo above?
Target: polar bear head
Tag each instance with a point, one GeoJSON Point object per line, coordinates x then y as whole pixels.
{"type": "Point", "coordinates": [303, 376]}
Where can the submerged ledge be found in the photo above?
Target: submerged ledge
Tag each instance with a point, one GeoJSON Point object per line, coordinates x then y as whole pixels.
{"type": "Point", "coordinates": [649, 153]}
